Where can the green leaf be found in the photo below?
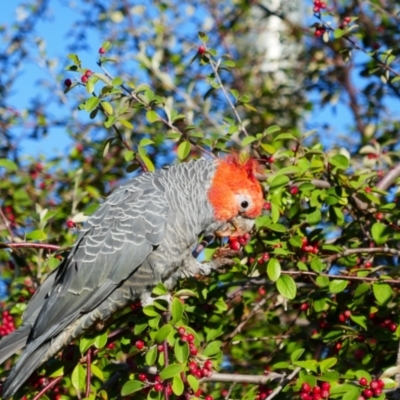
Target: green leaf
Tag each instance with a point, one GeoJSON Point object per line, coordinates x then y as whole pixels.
{"type": "Point", "coordinates": [131, 387]}
{"type": "Point", "coordinates": [151, 356]}
{"type": "Point", "coordinates": [360, 320]}
{"type": "Point", "coordinates": [286, 287]}
{"type": "Point", "coordinates": [171, 370]}
{"type": "Point", "coordinates": [339, 161]}
{"type": "Point", "coordinates": [183, 150]}
{"type": "Point", "coordinates": [36, 235]}
{"type": "Point", "coordinates": [145, 142]}
{"type": "Point", "coordinates": [150, 311]}
{"type": "Point", "coordinates": [379, 233]}
{"type": "Point", "coordinates": [8, 164]}
{"type": "Point", "coordinates": [247, 140]}
{"type": "Point", "coordinates": [109, 122]}
{"type": "Point", "coordinates": [181, 351]}
{"type": "Point", "coordinates": [309, 364]}
{"type": "Point", "coordinates": [100, 340]}
{"type": "Point", "coordinates": [383, 292]}
{"type": "Point", "coordinates": [92, 103]}
{"type": "Point", "coordinates": [296, 355]}
{"type": "Point", "coordinates": [322, 281]}
{"type": "Point", "coordinates": [277, 228]}
{"type": "Point", "coordinates": [193, 382]}
{"type": "Point", "coordinates": [85, 344]}
{"type": "Point", "coordinates": [284, 136]}
{"type": "Point", "coordinates": [272, 129]}
{"type": "Point", "coordinates": [125, 123]}
{"type": "Point", "coordinates": [314, 216]}
{"type": "Point", "coordinates": [151, 116]}
{"type": "Point", "coordinates": [163, 333]}
{"type": "Point", "coordinates": [90, 86]}
{"type": "Point", "coordinates": [317, 265]}
{"type": "Point", "coordinates": [117, 81]}
{"type": "Point", "coordinates": [78, 378]}
{"type": "Point", "coordinates": [148, 163]}
{"type": "Point", "coordinates": [337, 285]}
{"type": "Point", "coordinates": [278, 182]}
{"type": "Point", "coordinates": [97, 372]}
{"type": "Point", "coordinates": [107, 107]}
{"type": "Point", "coordinates": [212, 348]}
{"type": "Point", "coordinates": [338, 33]}
{"type": "Point", "coordinates": [177, 385]}
{"type": "Point", "coordinates": [176, 310]}
{"type": "Point", "coordinates": [327, 363]}
{"type": "Point", "coordinates": [75, 59]}
{"type": "Point", "coordinates": [129, 155]}
{"type": "Point", "coordinates": [273, 269]}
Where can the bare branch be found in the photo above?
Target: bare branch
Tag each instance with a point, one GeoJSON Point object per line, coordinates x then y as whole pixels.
{"type": "Point", "coordinates": [240, 378]}
{"type": "Point", "coordinates": [389, 178]}
{"type": "Point", "coordinates": [281, 386]}
{"type": "Point", "coordinates": [52, 247]}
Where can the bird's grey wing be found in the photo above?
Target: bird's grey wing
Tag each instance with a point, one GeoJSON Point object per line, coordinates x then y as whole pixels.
{"type": "Point", "coordinates": [114, 243]}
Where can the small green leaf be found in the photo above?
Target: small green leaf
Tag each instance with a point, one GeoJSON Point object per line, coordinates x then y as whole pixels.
{"type": "Point", "coordinates": [109, 122]}
{"type": "Point", "coordinates": [183, 150]}
{"type": "Point", "coordinates": [338, 33]}
{"type": "Point", "coordinates": [273, 269]}
{"type": "Point", "coordinates": [171, 370]}
{"type": "Point", "coordinates": [212, 348]}
{"type": "Point", "coordinates": [337, 285]}
{"type": "Point", "coordinates": [309, 364]}
{"type": "Point", "coordinates": [78, 378]}
{"type": "Point", "coordinates": [379, 233]}
{"type": "Point", "coordinates": [100, 340]}
{"type": "Point", "coordinates": [176, 310]}
{"type": "Point", "coordinates": [163, 333]}
{"type": "Point", "coordinates": [146, 142]}
{"type": "Point", "coordinates": [181, 351]}
{"type": "Point", "coordinates": [92, 103]}
{"type": "Point", "coordinates": [296, 355]}
{"type": "Point", "coordinates": [151, 116]}
{"type": "Point", "coordinates": [193, 382]}
{"type": "Point", "coordinates": [117, 81]}
{"type": "Point", "coordinates": [129, 155]}
{"type": "Point", "coordinates": [247, 140]}
{"type": "Point", "coordinates": [148, 163]}
{"type": "Point", "coordinates": [383, 292]}
{"type": "Point", "coordinates": [360, 320]}
{"type": "Point", "coordinates": [339, 161]}
{"type": "Point", "coordinates": [177, 385]}
{"type": "Point", "coordinates": [131, 387]}
{"type": "Point", "coordinates": [107, 107]}
{"type": "Point", "coordinates": [97, 372]}
{"type": "Point", "coordinates": [151, 356]}
{"type": "Point", "coordinates": [90, 86]}
{"type": "Point", "coordinates": [286, 287]}
{"type": "Point", "coordinates": [8, 164]}
{"type": "Point", "coordinates": [36, 235]}
{"type": "Point", "coordinates": [327, 363]}
{"type": "Point", "coordinates": [278, 182]}
{"type": "Point", "coordinates": [126, 123]}
{"type": "Point", "coordinates": [284, 136]}
{"type": "Point", "coordinates": [75, 59]}
{"type": "Point", "coordinates": [272, 129]}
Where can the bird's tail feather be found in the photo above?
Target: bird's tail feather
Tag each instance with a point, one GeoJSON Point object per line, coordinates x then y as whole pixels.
{"type": "Point", "coordinates": [13, 342]}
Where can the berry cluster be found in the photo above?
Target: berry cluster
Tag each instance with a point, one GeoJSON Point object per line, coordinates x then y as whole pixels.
{"type": "Point", "coordinates": [263, 392]}
{"type": "Point", "coordinates": [236, 242]}
{"type": "Point", "coordinates": [189, 338]}
{"type": "Point", "coordinates": [345, 22]}
{"type": "Point", "coordinates": [374, 389]}
{"type": "Point", "coordinates": [85, 77]}
{"type": "Point", "coordinates": [309, 248]}
{"type": "Point", "coordinates": [319, 31]}
{"type": "Point", "coordinates": [343, 317]}
{"type": "Point", "coordinates": [7, 325]}
{"type": "Point", "coordinates": [155, 382]}
{"type": "Point", "coordinates": [318, 6]}
{"type": "Point", "coordinates": [201, 371]}
{"type": "Point", "coordinates": [315, 393]}
{"type": "Point", "coordinates": [383, 323]}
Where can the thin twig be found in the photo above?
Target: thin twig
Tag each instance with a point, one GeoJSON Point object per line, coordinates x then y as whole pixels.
{"type": "Point", "coordinates": [48, 387]}
{"type": "Point", "coordinates": [28, 245]}
{"type": "Point", "coordinates": [7, 224]}
{"type": "Point", "coordinates": [235, 111]}
{"type": "Point", "coordinates": [241, 378]}
{"type": "Point", "coordinates": [389, 178]}
{"type": "Point", "coordinates": [281, 386]}
{"type": "Point", "coordinates": [88, 371]}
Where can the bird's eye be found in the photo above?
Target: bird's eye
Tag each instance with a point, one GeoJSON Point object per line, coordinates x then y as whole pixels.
{"type": "Point", "coordinates": [244, 204]}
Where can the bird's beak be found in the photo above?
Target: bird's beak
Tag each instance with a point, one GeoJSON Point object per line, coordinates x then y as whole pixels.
{"type": "Point", "coordinates": [236, 227]}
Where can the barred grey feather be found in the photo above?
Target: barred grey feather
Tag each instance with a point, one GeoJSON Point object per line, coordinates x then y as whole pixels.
{"type": "Point", "coordinates": [141, 235]}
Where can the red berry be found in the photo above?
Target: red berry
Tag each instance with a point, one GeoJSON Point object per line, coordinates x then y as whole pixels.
{"type": "Point", "coordinates": [316, 396]}
{"type": "Point", "coordinates": [305, 387]}
{"type": "Point", "coordinates": [373, 385]}
{"type": "Point", "coordinates": [377, 392]}
{"type": "Point", "coordinates": [190, 337]}
{"type": "Point", "coordinates": [381, 384]}
{"type": "Point", "coordinates": [304, 306]}
{"type": "Point", "coordinates": [70, 224]}
{"type": "Point", "coordinates": [363, 381]}
{"type": "Point", "coordinates": [84, 78]}
{"type": "Point", "coordinates": [367, 393]}
{"type": "Point", "coordinates": [208, 365]}
{"type": "Point", "coordinates": [325, 394]}
{"type": "Point", "coordinates": [234, 244]}
{"type": "Point", "coordinates": [392, 327]}
{"type": "Point", "coordinates": [88, 73]}
{"type": "Point", "coordinates": [347, 313]}
{"type": "Point", "coordinates": [158, 387]}
{"type": "Point", "coordinates": [379, 216]}
{"type": "Point", "coordinates": [160, 348]}
{"type": "Point", "coordinates": [181, 330]}
{"type": "Point", "coordinates": [316, 390]}
{"type": "Point", "coordinates": [142, 377]}
{"type": "Point", "coordinates": [67, 82]}
{"type": "Point", "coordinates": [139, 344]}
{"type": "Point", "coordinates": [368, 189]}
{"type": "Point", "coordinates": [294, 190]}
{"type": "Point", "coordinates": [201, 50]}
{"type": "Point", "coordinates": [368, 264]}
{"type": "Point", "coordinates": [262, 291]}
{"type": "Point", "coordinates": [265, 257]}
{"type": "Point", "coordinates": [184, 338]}
{"type": "Point", "coordinates": [208, 398]}
{"type": "Point", "coordinates": [342, 318]}
{"type": "Point", "coordinates": [193, 351]}
{"type": "Point", "coordinates": [102, 50]}
{"type": "Point", "coordinates": [338, 346]}
{"type": "Point", "coordinates": [267, 206]}
{"type": "Point", "coordinates": [326, 386]}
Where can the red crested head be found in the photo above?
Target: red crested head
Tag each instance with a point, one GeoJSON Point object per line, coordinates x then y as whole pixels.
{"type": "Point", "coordinates": [235, 189]}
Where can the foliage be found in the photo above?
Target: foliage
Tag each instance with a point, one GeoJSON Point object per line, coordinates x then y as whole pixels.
{"type": "Point", "coordinates": [313, 297]}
